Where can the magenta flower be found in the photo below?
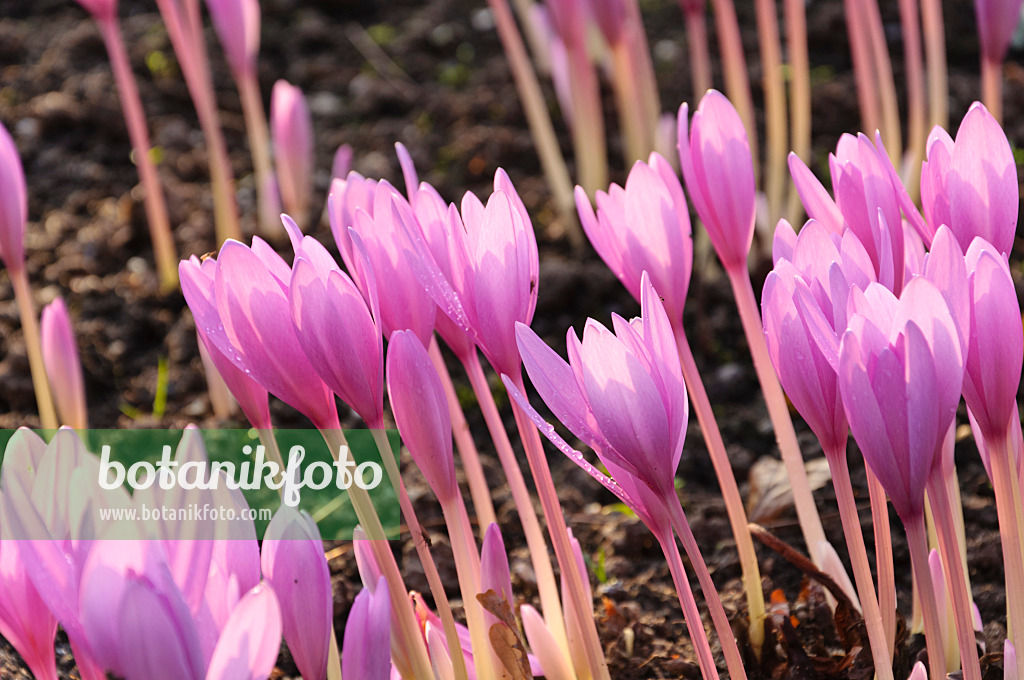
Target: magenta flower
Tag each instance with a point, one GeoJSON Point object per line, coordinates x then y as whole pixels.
{"type": "Point", "coordinates": [63, 368]}
{"type": "Point", "coordinates": [249, 645]}
{"type": "Point", "coordinates": [25, 620]}
{"type": "Point", "coordinates": [378, 214]}
{"type": "Point", "coordinates": [421, 412]}
{"type": "Point", "coordinates": [243, 319]}
{"type": "Point", "coordinates": [996, 345]}
{"type": "Point", "coordinates": [803, 305]}
{"type": "Point", "coordinates": [294, 564]}
{"type": "Point", "coordinates": [622, 393]}
{"type": "Point", "coordinates": [719, 173]}
{"type": "Point", "coordinates": [328, 313]}
{"type": "Point", "coordinates": [997, 19]}
{"type": "Point", "coordinates": [14, 206]}
{"type": "Point", "coordinates": [366, 650]}
{"type": "Point", "coordinates": [237, 23]}
{"type": "Point", "coordinates": [970, 185]}
{"type": "Point", "coordinates": [492, 282]}
{"type": "Point", "coordinates": [197, 285]}
{"type": "Point", "coordinates": [291, 130]}
{"type": "Point", "coordinates": [900, 374]}
{"type": "Point", "coordinates": [644, 227]}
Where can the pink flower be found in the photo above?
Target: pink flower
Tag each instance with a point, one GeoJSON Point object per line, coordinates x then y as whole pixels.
{"type": "Point", "coordinates": [14, 206]}
{"type": "Point", "coordinates": [970, 185]}
{"type": "Point", "coordinates": [366, 651]}
{"type": "Point", "coordinates": [719, 173]}
{"type": "Point", "coordinates": [421, 412]}
{"type": "Point", "coordinates": [294, 564]}
{"type": "Point", "coordinates": [622, 393]}
{"type": "Point", "coordinates": [25, 621]}
{"type": "Point", "coordinates": [900, 374]}
{"type": "Point", "coordinates": [243, 319]}
{"type": "Point", "coordinates": [63, 369]}
{"type": "Point", "coordinates": [997, 20]}
{"type": "Point", "coordinates": [329, 313]}
{"type": "Point", "coordinates": [102, 10]}
{"type": "Point", "coordinates": [996, 345]}
{"type": "Point", "coordinates": [237, 23]}
{"type": "Point", "coordinates": [644, 227]}
{"type": "Point", "coordinates": [291, 130]}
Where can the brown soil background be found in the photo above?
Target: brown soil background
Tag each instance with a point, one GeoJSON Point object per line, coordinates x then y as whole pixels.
{"type": "Point", "coordinates": [447, 95]}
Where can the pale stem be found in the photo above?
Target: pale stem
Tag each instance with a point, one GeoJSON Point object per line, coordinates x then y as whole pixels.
{"type": "Point", "coordinates": [467, 566]}
{"type": "Point", "coordinates": [534, 37]}
{"type": "Point", "coordinates": [917, 132]}
{"type": "Point", "coordinates": [220, 396]}
{"type": "Point", "coordinates": [734, 63]}
{"type": "Point", "coordinates": [1008, 507]}
{"type": "Point", "coordinates": [408, 648]}
{"type": "Point", "coordinates": [419, 540]}
{"type": "Point", "coordinates": [956, 578]}
{"type": "Point", "coordinates": [537, 116]}
{"type": "Point", "coordinates": [333, 658]}
{"type": "Point", "coordinates": [700, 55]}
{"type": "Point", "coordinates": [547, 586]}
{"type": "Point", "coordinates": [917, 542]}
{"type": "Point", "coordinates": [259, 146]}
{"type": "Point", "coordinates": [775, 171]}
{"type": "Point", "coordinates": [643, 67]}
{"type": "Point", "coordinates": [588, 121]}
{"type": "Point", "coordinates": [935, 54]}
{"type": "Point", "coordinates": [636, 132]}
{"type": "Point", "coordinates": [992, 87]}
{"type": "Point", "coordinates": [730, 490]}
{"type": "Point", "coordinates": [863, 69]}
{"type": "Point", "coordinates": [691, 615]}
{"type": "Point", "coordinates": [269, 442]}
{"type": "Point", "coordinates": [731, 651]}
{"type": "Point", "coordinates": [483, 506]}
{"type": "Point", "coordinates": [886, 85]}
{"type": "Point", "coordinates": [883, 558]}
{"type": "Point", "coordinates": [164, 252]}
{"type": "Point", "coordinates": [778, 410]}
{"type": "Point", "coordinates": [579, 601]}
{"type": "Point", "coordinates": [956, 504]}
{"type": "Point", "coordinates": [33, 348]}
{"type": "Point", "coordinates": [799, 94]}
{"type": "Point", "coordinates": [859, 561]}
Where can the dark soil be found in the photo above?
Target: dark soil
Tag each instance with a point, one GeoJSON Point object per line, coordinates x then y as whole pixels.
{"type": "Point", "coordinates": [446, 93]}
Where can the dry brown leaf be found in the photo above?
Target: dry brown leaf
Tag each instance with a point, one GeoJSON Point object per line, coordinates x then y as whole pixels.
{"type": "Point", "coordinates": [770, 492]}
{"type": "Point", "coordinates": [505, 638]}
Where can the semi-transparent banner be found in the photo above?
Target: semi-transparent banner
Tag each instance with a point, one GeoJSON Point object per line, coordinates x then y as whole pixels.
{"type": "Point", "coordinates": [192, 484]}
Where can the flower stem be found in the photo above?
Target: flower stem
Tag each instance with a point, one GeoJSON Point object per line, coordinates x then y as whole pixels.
{"type": "Point", "coordinates": [884, 80]}
{"type": "Point", "coordinates": [883, 558]}
{"type": "Point", "coordinates": [863, 70]}
{"type": "Point", "coordinates": [164, 252]}
{"type": "Point", "coordinates": [734, 63]}
{"type": "Point", "coordinates": [579, 601]}
{"type": "Point", "coordinates": [547, 586]}
{"type": "Point", "coordinates": [992, 87]}
{"type": "Point", "coordinates": [730, 490]}
{"type": "Point", "coordinates": [636, 132]}
{"type": "Point", "coordinates": [1008, 506]}
{"type": "Point", "coordinates": [268, 205]}
{"type": "Point", "coordinates": [799, 94]}
{"type": "Point", "coordinates": [694, 624]}
{"type": "Point", "coordinates": [778, 411]}
{"type": "Point", "coordinates": [588, 121]}
{"type": "Point", "coordinates": [859, 561]}
{"type": "Point", "coordinates": [541, 128]}
{"type": "Point", "coordinates": [935, 55]}
{"type": "Point", "coordinates": [409, 652]}
{"type": "Point", "coordinates": [917, 541]}
{"type": "Point", "coordinates": [917, 132]}
{"type": "Point", "coordinates": [775, 171]}
{"type": "Point", "coordinates": [956, 577]}
{"type": "Point", "coordinates": [483, 505]}
{"type": "Point", "coordinates": [444, 608]}
{"type": "Point", "coordinates": [733, 658]}
{"type": "Point", "coordinates": [30, 328]}
{"type": "Point", "coordinates": [700, 55]}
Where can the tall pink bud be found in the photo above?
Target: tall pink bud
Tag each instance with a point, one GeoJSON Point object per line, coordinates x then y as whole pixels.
{"type": "Point", "coordinates": [421, 412]}
{"type": "Point", "coordinates": [294, 564]}
{"type": "Point", "coordinates": [63, 368]}
{"type": "Point", "coordinates": [997, 20]}
{"type": "Point", "coordinates": [366, 650]}
{"type": "Point", "coordinates": [291, 129]}
{"type": "Point", "coordinates": [237, 23]}
{"type": "Point", "coordinates": [715, 156]}
{"type": "Point", "coordinates": [13, 204]}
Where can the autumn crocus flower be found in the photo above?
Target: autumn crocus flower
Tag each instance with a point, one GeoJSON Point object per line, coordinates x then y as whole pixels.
{"type": "Point", "coordinates": [291, 131]}
{"type": "Point", "coordinates": [63, 368]}
{"type": "Point", "coordinates": [623, 394]}
{"type": "Point", "coordinates": [365, 653]}
{"type": "Point", "coordinates": [900, 375]}
{"type": "Point", "coordinates": [970, 185]}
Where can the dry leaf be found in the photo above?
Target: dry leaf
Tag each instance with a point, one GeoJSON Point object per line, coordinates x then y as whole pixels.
{"type": "Point", "coordinates": [770, 491]}
{"type": "Point", "coordinates": [505, 638]}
